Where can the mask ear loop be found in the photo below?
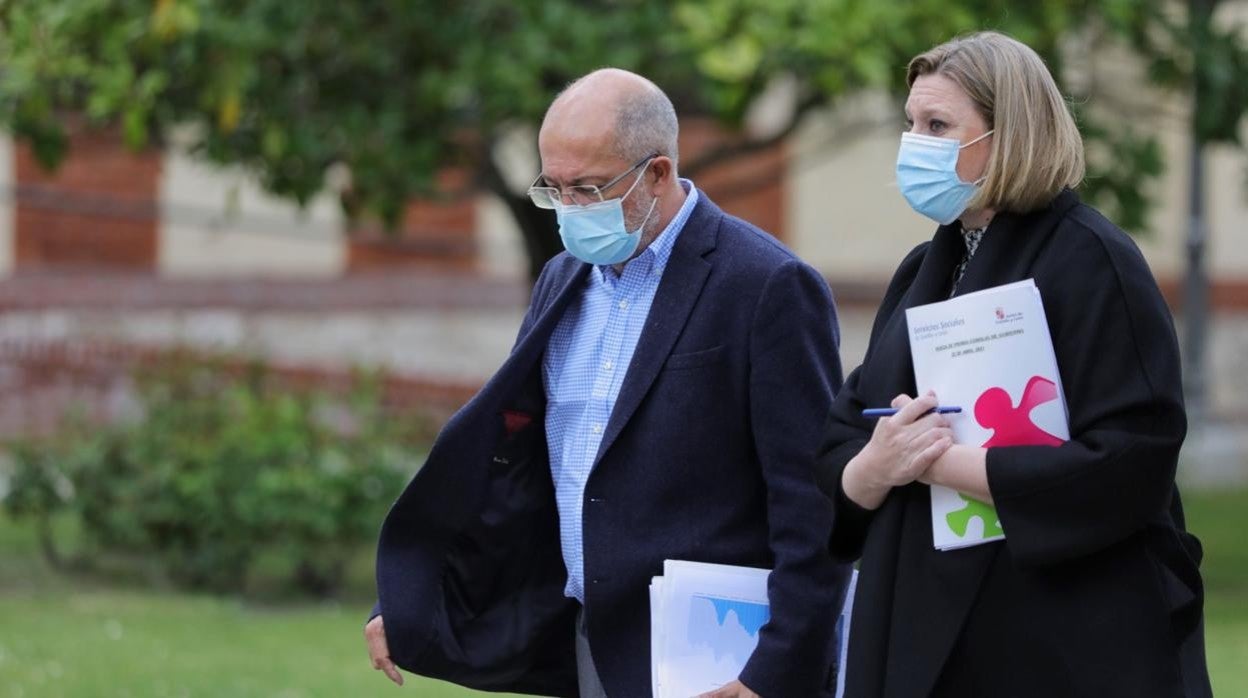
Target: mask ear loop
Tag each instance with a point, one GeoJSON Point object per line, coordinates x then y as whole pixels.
{"type": "Point", "coordinates": [977, 139]}
{"type": "Point", "coordinates": [637, 181]}
{"type": "Point", "coordinates": [653, 201]}
{"type": "Point", "coordinates": [972, 142]}
{"type": "Point", "coordinates": [642, 227]}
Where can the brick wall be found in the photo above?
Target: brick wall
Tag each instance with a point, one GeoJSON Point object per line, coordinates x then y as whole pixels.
{"type": "Point", "coordinates": [98, 209]}
{"type": "Point", "coordinates": [434, 233]}
{"type": "Point", "coordinates": [123, 292]}
{"type": "Point", "coordinates": [62, 349]}
{"type": "Point", "coordinates": [751, 187]}
{"type": "Point", "coordinates": [42, 383]}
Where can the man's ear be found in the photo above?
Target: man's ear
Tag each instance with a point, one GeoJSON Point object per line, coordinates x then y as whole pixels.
{"type": "Point", "coordinates": [663, 170]}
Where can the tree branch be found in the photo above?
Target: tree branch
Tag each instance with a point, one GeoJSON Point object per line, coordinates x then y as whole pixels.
{"type": "Point", "coordinates": [736, 149]}
{"type": "Point", "coordinates": [810, 156]}
{"type": "Point", "coordinates": [490, 175]}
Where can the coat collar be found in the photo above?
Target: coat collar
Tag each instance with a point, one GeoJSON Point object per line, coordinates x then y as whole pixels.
{"type": "Point", "coordinates": [1007, 251]}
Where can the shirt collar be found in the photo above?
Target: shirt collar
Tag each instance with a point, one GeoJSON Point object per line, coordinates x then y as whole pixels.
{"type": "Point", "coordinates": [660, 250]}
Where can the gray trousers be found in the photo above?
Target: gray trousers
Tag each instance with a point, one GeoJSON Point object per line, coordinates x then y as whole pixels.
{"type": "Point", "coordinates": [586, 674]}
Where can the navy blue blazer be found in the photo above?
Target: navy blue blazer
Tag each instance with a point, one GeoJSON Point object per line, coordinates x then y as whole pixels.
{"type": "Point", "coordinates": [707, 456]}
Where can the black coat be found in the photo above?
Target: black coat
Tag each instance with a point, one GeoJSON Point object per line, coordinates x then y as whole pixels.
{"type": "Point", "coordinates": [1096, 589]}
{"type": "Point", "coordinates": [706, 457]}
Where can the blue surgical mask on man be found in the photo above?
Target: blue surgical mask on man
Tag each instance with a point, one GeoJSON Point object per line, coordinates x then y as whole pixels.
{"type": "Point", "coordinates": [596, 233]}
{"type": "Point", "coordinates": [927, 174]}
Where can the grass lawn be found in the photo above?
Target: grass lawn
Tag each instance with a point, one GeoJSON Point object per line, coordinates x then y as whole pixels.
{"type": "Point", "coordinates": [1220, 520]}
{"type": "Point", "coordinates": [141, 645]}
{"type": "Point", "coordinates": [64, 637]}
{"type": "Point", "coordinates": [76, 638]}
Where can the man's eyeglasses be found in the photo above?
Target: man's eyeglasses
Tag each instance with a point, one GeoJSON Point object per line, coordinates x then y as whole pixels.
{"type": "Point", "coordinates": [581, 194]}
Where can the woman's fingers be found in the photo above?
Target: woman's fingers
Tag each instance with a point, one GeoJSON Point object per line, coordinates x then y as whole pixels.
{"type": "Point", "coordinates": [911, 410]}
{"type": "Point", "coordinates": [921, 453]}
{"type": "Point", "coordinates": [931, 420]}
{"type": "Point", "coordinates": [907, 443]}
{"type": "Point", "coordinates": [930, 454]}
{"type": "Point", "coordinates": [928, 435]}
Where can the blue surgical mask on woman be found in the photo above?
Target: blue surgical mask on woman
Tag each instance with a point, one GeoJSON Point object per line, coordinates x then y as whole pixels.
{"type": "Point", "coordinates": [927, 174]}
{"type": "Point", "coordinates": [596, 233]}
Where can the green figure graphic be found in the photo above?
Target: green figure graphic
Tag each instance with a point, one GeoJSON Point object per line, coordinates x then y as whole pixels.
{"type": "Point", "coordinates": [960, 519]}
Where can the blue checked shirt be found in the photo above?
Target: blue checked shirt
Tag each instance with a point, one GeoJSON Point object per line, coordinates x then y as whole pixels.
{"type": "Point", "coordinates": [583, 370]}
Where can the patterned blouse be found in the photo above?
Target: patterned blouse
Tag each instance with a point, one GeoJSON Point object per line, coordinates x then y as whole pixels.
{"type": "Point", "coordinates": [972, 239]}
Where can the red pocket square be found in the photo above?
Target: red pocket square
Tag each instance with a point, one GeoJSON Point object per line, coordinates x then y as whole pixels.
{"type": "Point", "coordinates": [514, 421]}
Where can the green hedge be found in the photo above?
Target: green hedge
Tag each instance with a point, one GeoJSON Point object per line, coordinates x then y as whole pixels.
{"type": "Point", "coordinates": [224, 468]}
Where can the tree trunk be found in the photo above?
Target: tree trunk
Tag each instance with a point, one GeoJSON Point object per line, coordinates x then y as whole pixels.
{"type": "Point", "coordinates": [537, 226]}
{"type": "Point", "coordinates": [47, 545]}
{"type": "Point", "coordinates": [539, 230]}
{"type": "Point", "coordinates": [1196, 284]}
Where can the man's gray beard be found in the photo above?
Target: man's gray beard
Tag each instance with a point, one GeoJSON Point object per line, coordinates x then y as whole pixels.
{"type": "Point", "coordinates": [650, 229]}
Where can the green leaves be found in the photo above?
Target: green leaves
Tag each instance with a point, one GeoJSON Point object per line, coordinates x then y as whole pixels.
{"type": "Point", "coordinates": [222, 472]}
{"type": "Point", "coordinates": [174, 18]}
{"type": "Point", "coordinates": [393, 91]}
{"type": "Point", "coordinates": [1222, 86]}
{"type": "Point", "coordinates": [1122, 162]}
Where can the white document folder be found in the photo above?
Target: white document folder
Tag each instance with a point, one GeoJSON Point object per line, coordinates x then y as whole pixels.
{"type": "Point", "coordinates": [990, 353]}
{"type": "Point", "coordinates": [705, 620]}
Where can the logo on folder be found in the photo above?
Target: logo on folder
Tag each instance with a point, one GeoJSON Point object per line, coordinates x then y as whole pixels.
{"type": "Point", "coordinates": [1004, 316]}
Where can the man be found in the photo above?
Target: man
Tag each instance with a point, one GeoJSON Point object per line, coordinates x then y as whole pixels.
{"type": "Point", "coordinates": [664, 399]}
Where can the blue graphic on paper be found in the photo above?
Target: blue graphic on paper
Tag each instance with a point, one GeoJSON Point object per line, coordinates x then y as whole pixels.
{"type": "Point", "coordinates": [727, 626]}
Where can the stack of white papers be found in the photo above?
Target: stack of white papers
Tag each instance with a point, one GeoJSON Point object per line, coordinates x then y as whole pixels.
{"type": "Point", "coordinates": [704, 625]}
{"type": "Point", "coordinates": [990, 353]}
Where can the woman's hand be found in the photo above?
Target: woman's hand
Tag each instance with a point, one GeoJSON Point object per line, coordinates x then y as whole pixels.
{"type": "Point", "coordinates": [900, 451]}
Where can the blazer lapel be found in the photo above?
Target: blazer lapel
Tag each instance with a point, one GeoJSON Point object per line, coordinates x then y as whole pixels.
{"type": "Point", "coordinates": [532, 346]}
{"type": "Point", "coordinates": [673, 302]}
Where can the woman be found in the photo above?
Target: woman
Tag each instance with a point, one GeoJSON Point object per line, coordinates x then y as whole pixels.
{"type": "Point", "coordinates": [1095, 590]}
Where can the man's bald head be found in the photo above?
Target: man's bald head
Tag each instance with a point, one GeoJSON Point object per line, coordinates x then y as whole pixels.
{"type": "Point", "coordinates": [629, 111]}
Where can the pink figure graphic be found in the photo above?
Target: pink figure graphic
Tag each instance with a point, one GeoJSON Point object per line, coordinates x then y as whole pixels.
{"type": "Point", "coordinates": [1012, 426]}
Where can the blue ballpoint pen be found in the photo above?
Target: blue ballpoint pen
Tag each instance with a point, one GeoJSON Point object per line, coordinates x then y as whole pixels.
{"type": "Point", "coordinates": [890, 411]}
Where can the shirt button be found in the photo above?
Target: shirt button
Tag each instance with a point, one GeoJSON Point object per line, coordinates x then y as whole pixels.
{"type": "Point", "coordinates": [597, 428]}
{"type": "Point", "coordinates": [623, 305]}
{"type": "Point", "coordinates": [607, 365]}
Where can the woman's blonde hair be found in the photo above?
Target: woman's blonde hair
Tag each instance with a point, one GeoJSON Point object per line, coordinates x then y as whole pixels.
{"type": "Point", "coordinates": [1036, 147]}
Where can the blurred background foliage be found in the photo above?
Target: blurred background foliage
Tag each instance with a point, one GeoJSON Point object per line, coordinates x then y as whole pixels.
{"type": "Point", "coordinates": [221, 477]}
{"type": "Point", "coordinates": [373, 99]}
